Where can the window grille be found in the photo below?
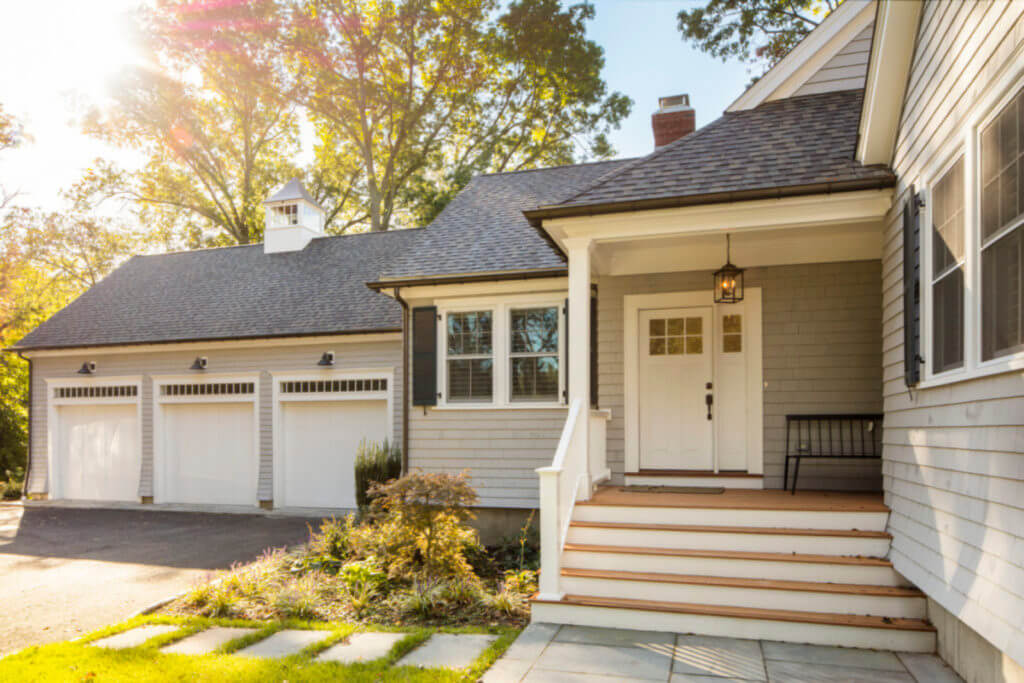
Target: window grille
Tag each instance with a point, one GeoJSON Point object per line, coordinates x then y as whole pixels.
{"type": "Point", "coordinates": [208, 389]}
{"type": "Point", "coordinates": [109, 391]}
{"type": "Point", "coordinates": [334, 386]}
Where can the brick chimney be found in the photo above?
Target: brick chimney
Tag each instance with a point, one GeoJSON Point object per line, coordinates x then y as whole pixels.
{"type": "Point", "coordinates": [674, 119]}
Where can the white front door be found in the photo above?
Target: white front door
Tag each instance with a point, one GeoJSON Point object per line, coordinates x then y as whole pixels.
{"type": "Point", "coordinates": [675, 359]}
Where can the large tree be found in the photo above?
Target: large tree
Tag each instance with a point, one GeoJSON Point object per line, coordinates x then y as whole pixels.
{"type": "Point", "coordinates": [759, 32]}
{"type": "Point", "coordinates": [409, 98]}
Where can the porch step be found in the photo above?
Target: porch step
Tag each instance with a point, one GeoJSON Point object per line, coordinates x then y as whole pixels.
{"type": "Point", "coordinates": [732, 480]}
{"type": "Point", "coordinates": [742, 538]}
{"type": "Point", "coordinates": [761, 517]}
{"type": "Point", "coordinates": [733, 563]}
{"type": "Point", "coordinates": [847, 630]}
{"type": "Point", "coordinates": [776, 594]}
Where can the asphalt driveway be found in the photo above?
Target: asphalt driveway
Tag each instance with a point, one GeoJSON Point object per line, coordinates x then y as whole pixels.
{"type": "Point", "coordinates": [65, 572]}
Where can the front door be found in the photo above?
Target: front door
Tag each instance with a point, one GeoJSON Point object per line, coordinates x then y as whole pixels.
{"type": "Point", "coordinates": [675, 354]}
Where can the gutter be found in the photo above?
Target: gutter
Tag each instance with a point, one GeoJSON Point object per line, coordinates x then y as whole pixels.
{"type": "Point", "coordinates": [405, 378]}
{"type": "Point", "coordinates": [466, 279]}
{"type": "Point", "coordinates": [28, 445]}
{"type": "Point", "coordinates": [537, 216]}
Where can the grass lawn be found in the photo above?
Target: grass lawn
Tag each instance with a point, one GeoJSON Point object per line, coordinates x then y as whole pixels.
{"type": "Point", "coordinates": [77, 661]}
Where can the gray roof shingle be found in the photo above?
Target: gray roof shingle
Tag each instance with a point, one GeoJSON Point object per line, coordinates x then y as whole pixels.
{"type": "Point", "coordinates": [483, 229]}
{"type": "Point", "coordinates": [788, 143]}
{"type": "Point", "coordinates": [232, 293]}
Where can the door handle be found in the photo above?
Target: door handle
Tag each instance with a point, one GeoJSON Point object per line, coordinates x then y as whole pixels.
{"type": "Point", "coordinates": [709, 399]}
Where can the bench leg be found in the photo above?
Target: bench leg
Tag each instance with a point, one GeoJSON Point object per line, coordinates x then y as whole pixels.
{"type": "Point", "coordinates": [785, 475]}
{"type": "Point", "coordinates": [796, 474]}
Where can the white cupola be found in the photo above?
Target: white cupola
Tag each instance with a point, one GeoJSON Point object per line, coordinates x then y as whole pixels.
{"type": "Point", "coordinates": [293, 219]}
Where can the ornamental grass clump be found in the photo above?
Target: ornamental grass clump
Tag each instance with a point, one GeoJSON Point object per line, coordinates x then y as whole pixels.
{"type": "Point", "coordinates": [376, 463]}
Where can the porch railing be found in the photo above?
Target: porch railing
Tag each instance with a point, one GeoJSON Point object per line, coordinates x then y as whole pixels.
{"type": "Point", "coordinates": [577, 465]}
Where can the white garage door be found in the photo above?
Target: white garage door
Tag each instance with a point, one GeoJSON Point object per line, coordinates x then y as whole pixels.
{"type": "Point", "coordinates": [209, 453]}
{"type": "Point", "coordinates": [98, 452]}
{"type": "Point", "coordinates": [320, 439]}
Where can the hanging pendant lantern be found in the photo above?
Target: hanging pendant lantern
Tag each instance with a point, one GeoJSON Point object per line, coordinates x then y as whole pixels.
{"type": "Point", "coordinates": [728, 281]}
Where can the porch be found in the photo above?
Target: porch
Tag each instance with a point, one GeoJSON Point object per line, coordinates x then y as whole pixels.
{"type": "Point", "coordinates": [662, 507]}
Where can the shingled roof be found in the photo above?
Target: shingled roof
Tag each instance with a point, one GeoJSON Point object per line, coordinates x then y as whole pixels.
{"type": "Point", "coordinates": [233, 293]}
{"type": "Point", "coordinates": [798, 145]}
{"type": "Point", "coordinates": [483, 229]}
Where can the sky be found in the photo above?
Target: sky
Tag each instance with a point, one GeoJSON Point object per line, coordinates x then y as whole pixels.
{"type": "Point", "coordinates": [60, 55]}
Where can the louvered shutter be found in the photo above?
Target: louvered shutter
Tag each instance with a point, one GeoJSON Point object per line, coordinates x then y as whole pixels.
{"type": "Point", "coordinates": [912, 290]}
{"type": "Point", "coordinates": [424, 356]}
{"type": "Point", "coordinates": [593, 352]}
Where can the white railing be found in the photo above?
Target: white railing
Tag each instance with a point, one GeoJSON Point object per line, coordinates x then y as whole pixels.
{"type": "Point", "coordinates": [569, 478]}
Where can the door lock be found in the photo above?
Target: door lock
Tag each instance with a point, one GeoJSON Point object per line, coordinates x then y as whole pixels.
{"type": "Point", "coordinates": [709, 399]}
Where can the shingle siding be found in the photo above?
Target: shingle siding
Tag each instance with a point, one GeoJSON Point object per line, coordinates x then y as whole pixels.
{"type": "Point", "coordinates": [846, 71]}
{"type": "Point", "coordinates": [296, 356]}
{"type": "Point", "coordinates": [821, 354]}
{"type": "Point", "coordinates": [954, 454]}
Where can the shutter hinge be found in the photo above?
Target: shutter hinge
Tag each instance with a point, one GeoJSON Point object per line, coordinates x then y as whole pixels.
{"type": "Point", "coordinates": [918, 201]}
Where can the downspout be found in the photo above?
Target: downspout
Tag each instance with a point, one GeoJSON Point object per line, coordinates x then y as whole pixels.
{"type": "Point", "coordinates": [28, 446]}
{"type": "Point", "coordinates": [405, 379]}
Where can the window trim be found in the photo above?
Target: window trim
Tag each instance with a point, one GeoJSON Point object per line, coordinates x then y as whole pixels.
{"type": "Point", "coordinates": [1000, 92]}
{"type": "Point", "coordinates": [501, 311]}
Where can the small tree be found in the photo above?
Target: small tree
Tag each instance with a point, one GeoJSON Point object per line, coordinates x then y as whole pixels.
{"type": "Point", "coordinates": [422, 524]}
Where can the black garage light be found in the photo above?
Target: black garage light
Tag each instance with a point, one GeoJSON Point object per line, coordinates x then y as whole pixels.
{"type": "Point", "coordinates": [327, 359]}
{"type": "Point", "coordinates": [728, 281]}
{"type": "Point", "coordinates": [199, 363]}
{"type": "Point", "coordinates": [87, 368]}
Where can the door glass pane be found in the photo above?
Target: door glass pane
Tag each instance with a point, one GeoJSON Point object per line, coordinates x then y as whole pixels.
{"type": "Point", "coordinates": [694, 325]}
{"type": "Point", "coordinates": [675, 346]}
{"type": "Point", "coordinates": [694, 345]}
{"type": "Point", "coordinates": [675, 326]}
{"type": "Point", "coordinates": [658, 346]}
{"type": "Point", "coordinates": [732, 323]}
{"type": "Point", "coordinates": [732, 343]}
{"type": "Point", "coordinates": [657, 327]}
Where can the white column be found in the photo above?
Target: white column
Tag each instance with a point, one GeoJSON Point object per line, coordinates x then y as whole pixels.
{"type": "Point", "coordinates": [579, 249]}
{"type": "Point", "coordinates": [550, 536]}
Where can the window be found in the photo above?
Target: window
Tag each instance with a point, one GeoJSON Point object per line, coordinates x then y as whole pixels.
{"type": "Point", "coordinates": [1002, 241]}
{"type": "Point", "coordinates": [287, 214]}
{"type": "Point", "coordinates": [470, 356]}
{"type": "Point", "coordinates": [533, 354]}
{"type": "Point", "coordinates": [947, 285]}
{"type": "Point", "coordinates": [732, 333]}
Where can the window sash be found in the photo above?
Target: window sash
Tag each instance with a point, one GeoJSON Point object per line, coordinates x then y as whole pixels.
{"type": "Point", "coordinates": [478, 385]}
{"type": "Point", "coordinates": [553, 354]}
{"type": "Point", "coordinates": [948, 255]}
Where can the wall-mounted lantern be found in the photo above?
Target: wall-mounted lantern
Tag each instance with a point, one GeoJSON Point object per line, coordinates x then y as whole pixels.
{"type": "Point", "coordinates": [327, 359]}
{"type": "Point", "coordinates": [88, 368]}
{"type": "Point", "coordinates": [728, 281]}
{"type": "Point", "coordinates": [199, 363]}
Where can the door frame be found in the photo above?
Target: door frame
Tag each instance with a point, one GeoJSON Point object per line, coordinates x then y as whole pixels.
{"type": "Point", "coordinates": [277, 420]}
{"type": "Point", "coordinates": [160, 425]}
{"type": "Point", "coordinates": [752, 339]}
{"type": "Point", "coordinates": [54, 484]}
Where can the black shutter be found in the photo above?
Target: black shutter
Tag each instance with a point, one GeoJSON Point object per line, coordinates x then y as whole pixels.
{"type": "Point", "coordinates": [593, 351]}
{"type": "Point", "coordinates": [912, 290]}
{"type": "Point", "coordinates": [565, 312]}
{"type": "Point", "coordinates": [424, 356]}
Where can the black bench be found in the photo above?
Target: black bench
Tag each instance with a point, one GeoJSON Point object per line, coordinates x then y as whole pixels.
{"type": "Point", "coordinates": [830, 436]}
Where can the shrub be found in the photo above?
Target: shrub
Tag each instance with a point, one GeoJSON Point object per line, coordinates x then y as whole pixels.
{"type": "Point", "coordinates": [505, 601]}
{"type": "Point", "coordinates": [522, 582]}
{"type": "Point", "coordinates": [376, 463]}
{"type": "Point", "coordinates": [521, 551]}
{"type": "Point", "coordinates": [298, 598]}
{"type": "Point", "coordinates": [425, 599]}
{"type": "Point", "coordinates": [362, 581]}
{"type": "Point", "coordinates": [11, 488]}
{"type": "Point", "coordinates": [329, 547]}
{"type": "Point", "coordinates": [421, 530]}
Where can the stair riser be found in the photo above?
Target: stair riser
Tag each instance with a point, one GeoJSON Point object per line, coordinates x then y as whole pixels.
{"type": "Point", "coordinates": [788, 519]}
{"type": "Point", "coordinates": [727, 482]}
{"type": "Point", "coordinates": [734, 627]}
{"type": "Point", "coordinates": [747, 569]}
{"type": "Point", "coordinates": [835, 603]}
{"type": "Point", "coordinates": [767, 543]}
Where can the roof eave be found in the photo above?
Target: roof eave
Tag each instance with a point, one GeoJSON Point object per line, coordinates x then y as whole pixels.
{"type": "Point", "coordinates": [536, 217]}
{"type": "Point", "coordinates": [466, 278]}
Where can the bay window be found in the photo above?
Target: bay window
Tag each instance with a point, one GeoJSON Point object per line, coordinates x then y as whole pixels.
{"type": "Point", "coordinates": [1001, 238]}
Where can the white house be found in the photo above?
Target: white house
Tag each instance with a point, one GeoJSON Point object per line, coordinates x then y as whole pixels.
{"type": "Point", "coordinates": [572, 337]}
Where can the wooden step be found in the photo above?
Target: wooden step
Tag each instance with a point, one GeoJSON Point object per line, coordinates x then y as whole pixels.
{"type": "Point", "coordinates": [732, 563]}
{"type": "Point", "coordinates": [847, 630]}
{"type": "Point", "coordinates": [834, 598]}
{"type": "Point", "coordinates": [744, 538]}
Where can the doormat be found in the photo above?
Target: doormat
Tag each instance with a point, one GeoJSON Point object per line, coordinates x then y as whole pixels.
{"type": "Point", "coordinates": [672, 489]}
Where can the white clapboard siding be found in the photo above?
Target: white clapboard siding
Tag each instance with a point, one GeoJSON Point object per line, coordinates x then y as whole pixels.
{"type": "Point", "coordinates": [290, 356]}
{"type": "Point", "coordinates": [954, 455]}
{"type": "Point", "coordinates": [822, 324]}
{"type": "Point", "coordinates": [846, 71]}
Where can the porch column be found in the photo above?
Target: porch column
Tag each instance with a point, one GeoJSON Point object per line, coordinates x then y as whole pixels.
{"type": "Point", "coordinates": [579, 249]}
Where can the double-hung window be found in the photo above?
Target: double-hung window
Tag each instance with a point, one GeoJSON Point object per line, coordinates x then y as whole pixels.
{"type": "Point", "coordinates": [470, 356]}
{"type": "Point", "coordinates": [533, 354]}
{"type": "Point", "coordinates": [1002, 231]}
{"type": "Point", "coordinates": [947, 273]}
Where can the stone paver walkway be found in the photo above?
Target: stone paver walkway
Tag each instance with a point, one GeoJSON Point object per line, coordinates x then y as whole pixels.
{"type": "Point", "coordinates": [451, 650]}
{"type": "Point", "coordinates": [206, 641]}
{"type": "Point", "coordinates": [576, 654]}
{"type": "Point", "coordinates": [134, 637]}
{"type": "Point", "coordinates": [361, 647]}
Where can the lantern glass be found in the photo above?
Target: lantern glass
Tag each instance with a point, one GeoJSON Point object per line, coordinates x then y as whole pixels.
{"type": "Point", "coordinates": [729, 284]}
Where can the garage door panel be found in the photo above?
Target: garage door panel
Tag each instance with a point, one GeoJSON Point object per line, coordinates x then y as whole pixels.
{"type": "Point", "coordinates": [209, 455]}
{"type": "Point", "coordinates": [99, 454]}
{"type": "Point", "coordinates": [320, 439]}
